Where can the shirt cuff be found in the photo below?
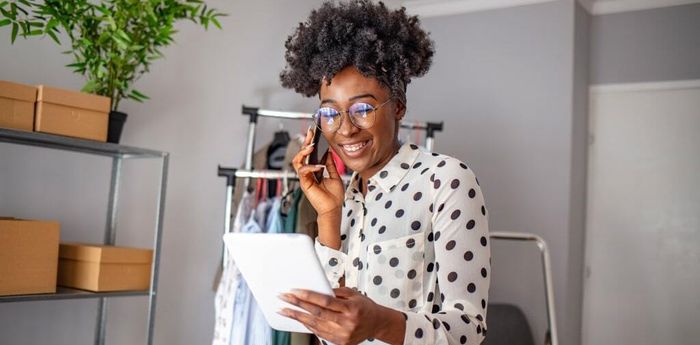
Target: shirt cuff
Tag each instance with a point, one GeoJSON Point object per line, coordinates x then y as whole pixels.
{"type": "Point", "coordinates": [333, 262]}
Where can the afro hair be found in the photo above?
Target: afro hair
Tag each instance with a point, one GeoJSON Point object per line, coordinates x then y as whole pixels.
{"type": "Point", "coordinates": [386, 44]}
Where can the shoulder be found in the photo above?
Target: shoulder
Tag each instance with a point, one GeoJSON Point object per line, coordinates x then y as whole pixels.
{"type": "Point", "coordinates": [444, 168]}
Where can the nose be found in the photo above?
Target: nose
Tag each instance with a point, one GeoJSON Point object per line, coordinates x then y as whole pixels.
{"type": "Point", "coordinates": [347, 128]}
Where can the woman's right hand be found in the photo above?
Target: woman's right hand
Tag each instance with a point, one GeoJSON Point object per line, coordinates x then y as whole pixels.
{"type": "Point", "coordinates": [327, 195]}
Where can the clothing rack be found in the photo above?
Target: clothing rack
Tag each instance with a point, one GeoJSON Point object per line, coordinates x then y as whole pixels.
{"type": "Point", "coordinates": [247, 172]}
{"type": "Point", "coordinates": [551, 336]}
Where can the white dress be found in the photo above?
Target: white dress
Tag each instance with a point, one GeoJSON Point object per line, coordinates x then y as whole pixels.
{"type": "Point", "coordinates": [418, 243]}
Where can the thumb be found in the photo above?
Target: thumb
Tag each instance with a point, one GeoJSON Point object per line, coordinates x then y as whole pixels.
{"type": "Point", "coordinates": [344, 292]}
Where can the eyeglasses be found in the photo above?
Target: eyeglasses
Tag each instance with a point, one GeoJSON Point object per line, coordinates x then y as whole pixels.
{"type": "Point", "coordinates": [362, 115]}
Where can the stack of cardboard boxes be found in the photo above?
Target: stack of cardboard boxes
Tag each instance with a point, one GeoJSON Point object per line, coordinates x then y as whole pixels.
{"type": "Point", "coordinates": [33, 262]}
{"type": "Point", "coordinates": [55, 111]}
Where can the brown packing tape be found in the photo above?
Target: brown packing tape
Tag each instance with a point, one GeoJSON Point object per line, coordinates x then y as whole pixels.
{"type": "Point", "coordinates": [75, 99]}
{"type": "Point", "coordinates": [104, 254]}
{"type": "Point", "coordinates": [17, 91]}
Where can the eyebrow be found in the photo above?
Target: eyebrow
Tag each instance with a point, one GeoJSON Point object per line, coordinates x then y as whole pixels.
{"type": "Point", "coordinates": [364, 95]}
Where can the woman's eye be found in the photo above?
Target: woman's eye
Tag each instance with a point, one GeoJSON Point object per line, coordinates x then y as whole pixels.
{"type": "Point", "coordinates": [361, 108]}
{"type": "Point", "coordinates": [328, 112]}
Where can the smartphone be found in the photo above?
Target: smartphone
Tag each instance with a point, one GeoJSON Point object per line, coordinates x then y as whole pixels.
{"type": "Point", "coordinates": [320, 147]}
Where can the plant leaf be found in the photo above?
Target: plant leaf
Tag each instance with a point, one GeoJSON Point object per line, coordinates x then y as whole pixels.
{"type": "Point", "coordinates": [138, 96]}
{"type": "Point", "coordinates": [53, 36]}
{"type": "Point", "coordinates": [15, 29]}
{"type": "Point", "coordinates": [216, 23]}
{"type": "Point", "coordinates": [5, 22]}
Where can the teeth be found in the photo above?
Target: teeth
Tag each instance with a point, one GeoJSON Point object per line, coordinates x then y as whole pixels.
{"type": "Point", "coordinates": [355, 147]}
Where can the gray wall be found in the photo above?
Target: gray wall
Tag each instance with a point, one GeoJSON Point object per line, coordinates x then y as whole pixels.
{"type": "Point", "coordinates": [503, 82]}
{"type": "Point", "coordinates": [194, 113]}
{"type": "Point", "coordinates": [650, 45]}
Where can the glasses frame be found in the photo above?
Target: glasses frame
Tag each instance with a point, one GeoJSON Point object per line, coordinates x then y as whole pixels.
{"type": "Point", "coordinates": [317, 118]}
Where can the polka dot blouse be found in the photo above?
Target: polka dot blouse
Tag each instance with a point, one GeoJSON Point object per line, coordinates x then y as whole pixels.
{"type": "Point", "coordinates": [418, 243]}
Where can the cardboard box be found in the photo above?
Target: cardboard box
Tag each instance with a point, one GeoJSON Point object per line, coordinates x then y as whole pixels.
{"type": "Point", "coordinates": [71, 113]}
{"type": "Point", "coordinates": [17, 105]}
{"type": "Point", "coordinates": [28, 256]}
{"type": "Point", "coordinates": [104, 268]}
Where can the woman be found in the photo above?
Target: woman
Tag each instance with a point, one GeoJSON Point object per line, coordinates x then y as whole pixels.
{"type": "Point", "coordinates": [405, 245]}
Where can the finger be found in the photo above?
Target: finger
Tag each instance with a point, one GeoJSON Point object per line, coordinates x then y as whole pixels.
{"type": "Point", "coordinates": [298, 160]}
{"type": "Point", "coordinates": [322, 300]}
{"type": "Point", "coordinates": [309, 134]}
{"type": "Point", "coordinates": [324, 330]}
{"type": "Point", "coordinates": [330, 331]}
{"type": "Point", "coordinates": [306, 176]}
{"type": "Point", "coordinates": [313, 323]}
{"type": "Point", "coordinates": [344, 292]}
{"type": "Point", "coordinates": [330, 165]}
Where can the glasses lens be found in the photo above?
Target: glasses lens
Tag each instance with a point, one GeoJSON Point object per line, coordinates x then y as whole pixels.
{"type": "Point", "coordinates": [362, 114]}
{"type": "Point", "coordinates": [328, 119]}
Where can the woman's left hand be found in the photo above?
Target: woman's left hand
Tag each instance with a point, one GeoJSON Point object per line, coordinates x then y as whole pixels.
{"type": "Point", "coordinates": [348, 318]}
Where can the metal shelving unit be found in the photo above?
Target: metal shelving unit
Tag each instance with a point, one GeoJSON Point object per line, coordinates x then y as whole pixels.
{"type": "Point", "coordinates": [117, 153]}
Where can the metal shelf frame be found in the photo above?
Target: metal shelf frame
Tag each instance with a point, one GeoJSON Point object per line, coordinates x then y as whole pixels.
{"type": "Point", "coordinates": [118, 153]}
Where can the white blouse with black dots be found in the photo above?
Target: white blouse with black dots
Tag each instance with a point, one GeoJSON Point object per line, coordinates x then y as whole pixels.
{"type": "Point", "coordinates": [418, 243]}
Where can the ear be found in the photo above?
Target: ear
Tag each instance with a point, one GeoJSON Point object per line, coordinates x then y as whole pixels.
{"type": "Point", "coordinates": [400, 110]}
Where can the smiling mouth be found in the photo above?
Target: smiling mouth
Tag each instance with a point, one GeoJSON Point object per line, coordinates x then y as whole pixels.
{"type": "Point", "coordinates": [352, 148]}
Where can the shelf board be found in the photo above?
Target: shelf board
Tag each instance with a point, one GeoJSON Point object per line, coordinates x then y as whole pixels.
{"type": "Point", "coordinates": [76, 145]}
{"type": "Point", "coordinates": [68, 293]}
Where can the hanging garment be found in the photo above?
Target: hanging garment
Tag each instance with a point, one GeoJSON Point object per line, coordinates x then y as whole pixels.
{"type": "Point", "coordinates": [339, 165]}
{"type": "Point", "coordinates": [275, 225]}
{"type": "Point", "coordinates": [259, 162]}
{"type": "Point", "coordinates": [228, 284]}
{"type": "Point", "coordinates": [306, 218]}
{"type": "Point", "coordinates": [290, 221]}
{"type": "Point", "coordinates": [249, 324]}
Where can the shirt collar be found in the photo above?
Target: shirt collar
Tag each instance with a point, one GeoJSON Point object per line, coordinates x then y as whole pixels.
{"type": "Point", "coordinates": [391, 174]}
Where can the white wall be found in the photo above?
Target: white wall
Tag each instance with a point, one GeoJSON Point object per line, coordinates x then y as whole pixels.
{"type": "Point", "coordinates": [194, 113]}
{"type": "Point", "coordinates": [642, 227]}
{"type": "Point", "coordinates": [643, 235]}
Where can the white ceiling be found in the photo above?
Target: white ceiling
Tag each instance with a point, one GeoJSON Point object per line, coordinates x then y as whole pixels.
{"type": "Point", "coordinates": [431, 8]}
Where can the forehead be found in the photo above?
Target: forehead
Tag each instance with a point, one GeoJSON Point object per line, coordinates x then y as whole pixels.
{"type": "Point", "coordinates": [350, 82]}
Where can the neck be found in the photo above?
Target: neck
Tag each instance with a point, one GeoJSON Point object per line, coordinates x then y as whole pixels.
{"type": "Point", "coordinates": [366, 174]}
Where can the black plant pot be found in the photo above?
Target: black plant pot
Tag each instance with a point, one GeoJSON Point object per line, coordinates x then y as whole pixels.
{"type": "Point", "coordinates": [116, 124]}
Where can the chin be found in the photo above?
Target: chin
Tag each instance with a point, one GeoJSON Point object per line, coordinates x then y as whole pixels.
{"type": "Point", "coordinates": [356, 165]}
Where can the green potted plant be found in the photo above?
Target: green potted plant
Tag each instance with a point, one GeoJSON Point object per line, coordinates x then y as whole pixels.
{"type": "Point", "coordinates": [113, 42]}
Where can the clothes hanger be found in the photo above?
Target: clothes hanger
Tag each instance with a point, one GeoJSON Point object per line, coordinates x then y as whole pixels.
{"type": "Point", "coordinates": [281, 137]}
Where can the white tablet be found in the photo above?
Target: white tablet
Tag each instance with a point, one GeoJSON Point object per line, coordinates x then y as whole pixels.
{"type": "Point", "coordinates": [272, 264]}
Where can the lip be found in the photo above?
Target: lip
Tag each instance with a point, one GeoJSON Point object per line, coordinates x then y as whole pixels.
{"type": "Point", "coordinates": [357, 153]}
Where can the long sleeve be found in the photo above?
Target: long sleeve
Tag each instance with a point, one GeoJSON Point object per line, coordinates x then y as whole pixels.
{"type": "Point", "coordinates": [332, 261]}
{"type": "Point", "coordinates": [462, 262]}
